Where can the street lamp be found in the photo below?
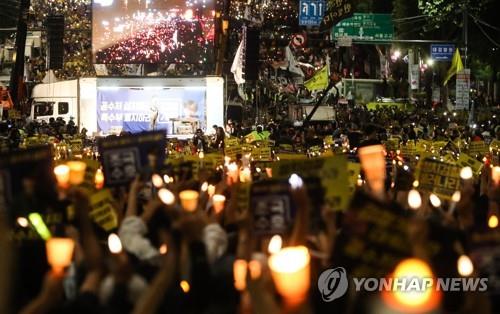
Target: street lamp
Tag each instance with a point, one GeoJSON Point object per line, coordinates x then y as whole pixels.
{"type": "Point", "coordinates": [430, 62]}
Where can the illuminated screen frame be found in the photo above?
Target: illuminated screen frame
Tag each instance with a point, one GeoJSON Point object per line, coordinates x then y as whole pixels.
{"type": "Point", "coordinates": [210, 53]}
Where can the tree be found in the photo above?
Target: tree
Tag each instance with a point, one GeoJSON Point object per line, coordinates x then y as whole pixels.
{"type": "Point", "coordinates": [9, 11]}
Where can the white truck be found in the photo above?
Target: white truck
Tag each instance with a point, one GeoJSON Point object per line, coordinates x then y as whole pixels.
{"type": "Point", "coordinates": [110, 105]}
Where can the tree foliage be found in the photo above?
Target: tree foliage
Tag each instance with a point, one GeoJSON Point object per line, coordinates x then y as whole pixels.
{"type": "Point", "coordinates": [446, 12]}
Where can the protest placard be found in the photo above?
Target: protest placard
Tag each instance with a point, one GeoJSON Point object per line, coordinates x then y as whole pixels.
{"type": "Point", "coordinates": [271, 205]}
{"type": "Point", "coordinates": [124, 157]}
{"type": "Point", "coordinates": [332, 171]}
{"type": "Point", "coordinates": [441, 178]}
{"type": "Point", "coordinates": [409, 150]}
{"type": "Point", "coordinates": [478, 148]}
{"type": "Point", "coordinates": [102, 211]}
{"type": "Point", "coordinates": [468, 161]}
{"type": "Point", "coordinates": [354, 170]}
{"type": "Point", "coordinates": [232, 147]}
{"type": "Point", "coordinates": [76, 146]}
{"type": "Point", "coordinates": [374, 238]}
{"type": "Point", "coordinates": [27, 174]}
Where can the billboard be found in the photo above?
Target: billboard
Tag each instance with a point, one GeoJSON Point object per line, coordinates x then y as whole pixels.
{"type": "Point", "coordinates": [179, 111]}
{"type": "Point", "coordinates": [153, 31]}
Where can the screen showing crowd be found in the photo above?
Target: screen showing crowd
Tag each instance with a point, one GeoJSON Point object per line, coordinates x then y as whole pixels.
{"type": "Point", "coordinates": [153, 31]}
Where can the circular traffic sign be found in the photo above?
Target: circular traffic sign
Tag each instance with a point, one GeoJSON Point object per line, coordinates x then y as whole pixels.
{"type": "Point", "coordinates": [298, 40]}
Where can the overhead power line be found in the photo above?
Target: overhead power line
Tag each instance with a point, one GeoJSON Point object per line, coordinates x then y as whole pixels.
{"type": "Point", "coordinates": [484, 23]}
{"type": "Point", "coordinates": [486, 34]}
{"type": "Point", "coordinates": [410, 18]}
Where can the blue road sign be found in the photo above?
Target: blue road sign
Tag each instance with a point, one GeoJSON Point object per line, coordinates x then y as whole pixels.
{"type": "Point", "coordinates": [311, 12]}
{"type": "Point", "coordinates": [442, 52]}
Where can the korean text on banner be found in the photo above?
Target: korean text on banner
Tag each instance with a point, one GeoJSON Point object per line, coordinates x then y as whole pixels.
{"type": "Point", "coordinates": [332, 171]}
{"type": "Point", "coordinates": [440, 178]}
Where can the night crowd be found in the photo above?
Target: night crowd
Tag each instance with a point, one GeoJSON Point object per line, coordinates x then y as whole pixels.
{"type": "Point", "coordinates": [178, 260]}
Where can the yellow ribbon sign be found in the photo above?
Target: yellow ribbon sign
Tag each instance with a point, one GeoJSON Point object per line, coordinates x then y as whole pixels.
{"type": "Point", "coordinates": [441, 178]}
{"type": "Point", "coordinates": [102, 210]}
{"type": "Point", "coordinates": [332, 171]}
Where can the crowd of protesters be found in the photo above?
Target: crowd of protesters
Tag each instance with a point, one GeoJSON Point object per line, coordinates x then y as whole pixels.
{"type": "Point", "coordinates": [182, 262]}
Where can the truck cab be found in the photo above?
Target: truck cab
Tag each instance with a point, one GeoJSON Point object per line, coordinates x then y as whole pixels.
{"type": "Point", "coordinates": [46, 108]}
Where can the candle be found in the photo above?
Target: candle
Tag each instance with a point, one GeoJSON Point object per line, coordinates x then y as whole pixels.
{"type": "Point", "coordinates": [76, 172]}
{"type": "Point", "coordinates": [232, 172]}
{"type": "Point", "coordinates": [189, 200]}
{"type": "Point", "coordinates": [99, 179]}
{"type": "Point", "coordinates": [167, 197]}
{"type": "Point", "coordinates": [275, 244]}
{"type": "Point", "coordinates": [59, 253]}
{"type": "Point", "coordinates": [255, 269]}
{"type": "Point", "coordinates": [62, 175]}
{"type": "Point", "coordinates": [373, 163]}
{"type": "Point", "coordinates": [240, 274]}
{"type": "Point", "coordinates": [269, 172]}
{"type": "Point", "coordinates": [157, 181]}
{"type": "Point", "coordinates": [245, 175]}
{"type": "Point", "coordinates": [493, 221]}
{"type": "Point", "coordinates": [211, 190]}
{"type": "Point", "coordinates": [466, 173]}
{"type": "Point", "coordinates": [465, 266]}
{"type": "Point", "coordinates": [218, 201]}
{"type": "Point", "coordinates": [435, 201]}
{"type": "Point", "coordinates": [495, 175]}
{"type": "Point", "coordinates": [290, 272]}
{"type": "Point", "coordinates": [414, 199]}
{"type": "Point", "coordinates": [408, 300]}
{"type": "Point", "coordinates": [114, 244]}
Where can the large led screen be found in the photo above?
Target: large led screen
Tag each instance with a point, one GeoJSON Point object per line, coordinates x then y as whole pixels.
{"type": "Point", "coordinates": [180, 111]}
{"type": "Point", "coordinates": [153, 31]}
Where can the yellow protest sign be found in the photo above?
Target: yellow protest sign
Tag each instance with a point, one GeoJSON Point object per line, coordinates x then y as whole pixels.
{"type": "Point", "coordinates": [353, 169]}
{"type": "Point", "coordinates": [328, 140]}
{"type": "Point", "coordinates": [423, 146]}
{"type": "Point", "coordinates": [102, 211]}
{"type": "Point", "coordinates": [232, 147]}
{"type": "Point", "coordinates": [212, 160]}
{"type": "Point", "coordinates": [409, 150]}
{"type": "Point", "coordinates": [478, 148]}
{"type": "Point", "coordinates": [494, 145]}
{"type": "Point", "coordinates": [438, 145]}
{"type": "Point", "coordinates": [468, 161]}
{"type": "Point", "coordinates": [332, 171]}
{"type": "Point", "coordinates": [392, 144]}
{"type": "Point", "coordinates": [262, 154]}
{"type": "Point", "coordinates": [286, 148]}
{"type": "Point", "coordinates": [90, 171]}
{"type": "Point", "coordinates": [76, 146]}
{"type": "Point", "coordinates": [441, 178]}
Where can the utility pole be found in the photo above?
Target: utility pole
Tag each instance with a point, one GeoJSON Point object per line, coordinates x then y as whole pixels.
{"type": "Point", "coordinates": [17, 74]}
{"type": "Point", "coordinates": [465, 13]}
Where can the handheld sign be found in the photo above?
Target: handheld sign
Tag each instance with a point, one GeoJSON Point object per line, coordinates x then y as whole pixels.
{"type": "Point", "coordinates": [271, 206]}
{"type": "Point", "coordinates": [124, 157]}
{"type": "Point", "coordinates": [27, 174]}
{"type": "Point", "coordinates": [332, 171]}
{"type": "Point", "coordinates": [374, 238]}
{"type": "Point", "coordinates": [441, 178]}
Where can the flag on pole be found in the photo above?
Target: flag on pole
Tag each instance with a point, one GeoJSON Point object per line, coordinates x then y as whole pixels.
{"type": "Point", "coordinates": [237, 67]}
{"type": "Point", "coordinates": [456, 66]}
{"type": "Point", "coordinates": [319, 81]}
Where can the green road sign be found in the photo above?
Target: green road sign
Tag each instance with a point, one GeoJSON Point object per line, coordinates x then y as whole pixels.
{"type": "Point", "coordinates": [365, 26]}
